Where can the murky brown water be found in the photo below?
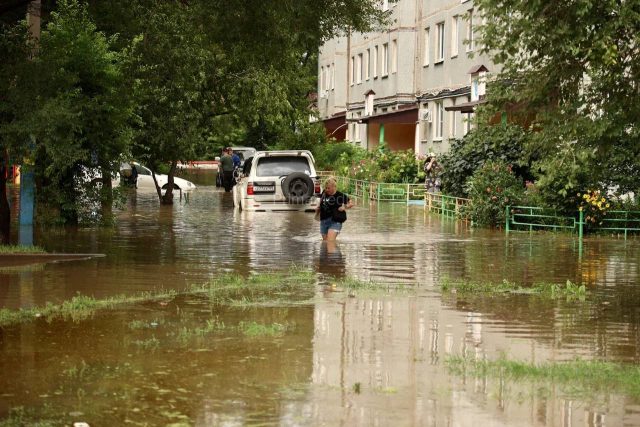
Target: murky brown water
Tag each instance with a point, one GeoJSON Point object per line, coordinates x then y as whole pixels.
{"type": "Point", "coordinates": [369, 360]}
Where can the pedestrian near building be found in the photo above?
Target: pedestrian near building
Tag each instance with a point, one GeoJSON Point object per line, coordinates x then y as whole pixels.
{"type": "Point", "coordinates": [333, 210]}
{"type": "Point", "coordinates": [226, 164]}
{"type": "Point", "coordinates": [432, 170]}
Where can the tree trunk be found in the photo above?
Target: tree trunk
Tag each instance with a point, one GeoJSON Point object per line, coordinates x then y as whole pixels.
{"type": "Point", "coordinates": [106, 196]}
{"type": "Point", "coordinates": [5, 210]}
{"type": "Point", "coordinates": [167, 199]}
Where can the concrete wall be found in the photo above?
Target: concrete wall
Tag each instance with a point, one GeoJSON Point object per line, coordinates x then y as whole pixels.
{"type": "Point", "coordinates": [415, 81]}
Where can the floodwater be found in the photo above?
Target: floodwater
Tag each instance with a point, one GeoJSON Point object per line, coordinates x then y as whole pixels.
{"type": "Point", "coordinates": [376, 359]}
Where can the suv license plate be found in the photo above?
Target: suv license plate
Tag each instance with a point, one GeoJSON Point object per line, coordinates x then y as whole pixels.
{"type": "Point", "coordinates": [264, 188]}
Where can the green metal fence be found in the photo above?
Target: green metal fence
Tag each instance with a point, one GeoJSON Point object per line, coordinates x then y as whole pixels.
{"type": "Point", "coordinates": [447, 206]}
{"type": "Point", "coordinates": [623, 222]}
{"type": "Point", "coordinates": [380, 191]}
{"type": "Point", "coordinates": [533, 217]}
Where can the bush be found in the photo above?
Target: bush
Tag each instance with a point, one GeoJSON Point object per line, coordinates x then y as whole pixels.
{"type": "Point", "coordinates": [490, 143]}
{"type": "Point", "coordinates": [492, 188]}
{"type": "Point", "coordinates": [328, 155]}
{"type": "Point", "coordinates": [381, 165]}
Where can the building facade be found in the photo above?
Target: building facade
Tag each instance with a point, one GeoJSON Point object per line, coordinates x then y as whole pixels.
{"type": "Point", "coordinates": [413, 85]}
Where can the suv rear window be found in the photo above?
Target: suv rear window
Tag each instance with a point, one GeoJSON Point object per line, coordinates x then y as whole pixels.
{"type": "Point", "coordinates": [281, 165]}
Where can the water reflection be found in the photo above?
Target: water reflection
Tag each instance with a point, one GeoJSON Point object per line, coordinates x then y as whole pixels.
{"type": "Point", "coordinates": [331, 262]}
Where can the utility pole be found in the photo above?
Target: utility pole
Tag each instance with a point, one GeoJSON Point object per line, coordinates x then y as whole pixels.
{"type": "Point", "coordinates": [27, 184]}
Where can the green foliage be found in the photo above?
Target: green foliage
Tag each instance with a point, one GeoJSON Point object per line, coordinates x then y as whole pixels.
{"type": "Point", "coordinates": [568, 290]}
{"type": "Point", "coordinates": [491, 188]}
{"type": "Point", "coordinates": [561, 176]}
{"type": "Point", "coordinates": [381, 165]}
{"type": "Point", "coordinates": [72, 110]}
{"type": "Point", "coordinates": [327, 155]}
{"type": "Point", "coordinates": [581, 375]}
{"type": "Point", "coordinates": [20, 249]}
{"type": "Point", "coordinates": [488, 143]}
{"type": "Point", "coordinates": [570, 69]}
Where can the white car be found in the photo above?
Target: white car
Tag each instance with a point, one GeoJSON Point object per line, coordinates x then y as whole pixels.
{"type": "Point", "coordinates": [145, 178]}
{"type": "Point", "coordinates": [278, 181]}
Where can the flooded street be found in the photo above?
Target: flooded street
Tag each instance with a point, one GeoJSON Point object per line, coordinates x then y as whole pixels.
{"type": "Point", "coordinates": [370, 359]}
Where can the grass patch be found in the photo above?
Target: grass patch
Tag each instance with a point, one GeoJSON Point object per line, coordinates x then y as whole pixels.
{"type": "Point", "coordinates": [294, 286]}
{"type": "Point", "coordinates": [591, 376]}
{"type": "Point", "coordinates": [78, 308]}
{"type": "Point", "coordinates": [20, 249]}
{"type": "Point", "coordinates": [254, 329]}
{"type": "Point", "coordinates": [144, 324]}
{"type": "Point", "coordinates": [551, 290]}
{"type": "Point", "coordinates": [148, 344]}
{"type": "Point", "coordinates": [19, 417]}
{"type": "Point", "coordinates": [211, 326]}
{"type": "Point", "coordinates": [271, 288]}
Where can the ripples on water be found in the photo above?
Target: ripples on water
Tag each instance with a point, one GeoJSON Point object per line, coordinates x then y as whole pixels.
{"type": "Point", "coordinates": [382, 342]}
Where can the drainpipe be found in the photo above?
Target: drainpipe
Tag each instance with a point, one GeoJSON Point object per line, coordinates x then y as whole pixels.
{"type": "Point", "coordinates": [348, 80]}
{"type": "Point", "coordinates": [27, 181]}
{"type": "Point", "coordinates": [417, 69]}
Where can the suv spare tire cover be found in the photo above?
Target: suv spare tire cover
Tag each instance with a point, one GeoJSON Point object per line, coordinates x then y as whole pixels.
{"type": "Point", "coordinates": [298, 187]}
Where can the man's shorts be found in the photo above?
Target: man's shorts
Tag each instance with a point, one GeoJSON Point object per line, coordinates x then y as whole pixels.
{"type": "Point", "coordinates": [329, 224]}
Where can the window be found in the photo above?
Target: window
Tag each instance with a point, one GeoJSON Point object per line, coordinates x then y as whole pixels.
{"type": "Point", "coordinates": [352, 70]}
{"type": "Point", "coordinates": [333, 76]}
{"type": "Point", "coordinates": [375, 62]}
{"type": "Point", "coordinates": [439, 121]}
{"type": "Point", "coordinates": [385, 59]}
{"type": "Point", "coordinates": [367, 64]}
{"type": "Point", "coordinates": [322, 83]}
{"type": "Point", "coordinates": [470, 40]}
{"type": "Point", "coordinates": [440, 42]}
{"type": "Point", "coordinates": [282, 165]}
{"type": "Point", "coordinates": [454, 35]}
{"type": "Point", "coordinates": [467, 123]}
{"type": "Point", "coordinates": [359, 69]}
{"type": "Point", "coordinates": [427, 47]}
{"type": "Point", "coordinates": [368, 104]}
{"type": "Point", "coordinates": [394, 56]}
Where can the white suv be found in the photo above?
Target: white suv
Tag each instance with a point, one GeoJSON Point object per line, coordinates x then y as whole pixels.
{"type": "Point", "coordinates": [278, 181]}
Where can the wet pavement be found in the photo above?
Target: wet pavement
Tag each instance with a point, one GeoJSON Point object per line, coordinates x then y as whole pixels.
{"type": "Point", "coordinates": [376, 359]}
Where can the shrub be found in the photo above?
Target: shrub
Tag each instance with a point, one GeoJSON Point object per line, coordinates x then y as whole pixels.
{"type": "Point", "coordinates": [492, 188]}
{"type": "Point", "coordinates": [490, 143]}
{"type": "Point", "coordinates": [328, 155]}
{"type": "Point", "coordinates": [381, 165]}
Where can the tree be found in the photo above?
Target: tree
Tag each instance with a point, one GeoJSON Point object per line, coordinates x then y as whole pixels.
{"type": "Point", "coordinates": [574, 64]}
{"type": "Point", "coordinates": [14, 51]}
{"type": "Point", "coordinates": [246, 61]}
{"type": "Point", "coordinates": [72, 112]}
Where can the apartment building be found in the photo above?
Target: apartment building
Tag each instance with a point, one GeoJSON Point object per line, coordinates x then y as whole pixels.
{"type": "Point", "coordinates": [414, 85]}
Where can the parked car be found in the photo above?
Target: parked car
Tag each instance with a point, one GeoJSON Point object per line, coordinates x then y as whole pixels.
{"type": "Point", "coordinates": [145, 178]}
{"type": "Point", "coordinates": [278, 181]}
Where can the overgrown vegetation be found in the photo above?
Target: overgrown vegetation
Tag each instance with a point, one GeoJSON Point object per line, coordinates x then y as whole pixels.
{"type": "Point", "coordinates": [265, 289]}
{"type": "Point", "coordinates": [380, 165]}
{"type": "Point", "coordinates": [574, 128]}
{"type": "Point", "coordinates": [567, 290]}
{"type": "Point", "coordinates": [161, 82]}
{"type": "Point", "coordinates": [21, 249]}
{"type": "Point", "coordinates": [594, 376]}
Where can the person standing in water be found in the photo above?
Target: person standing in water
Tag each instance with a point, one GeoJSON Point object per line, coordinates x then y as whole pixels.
{"type": "Point", "coordinates": [333, 210]}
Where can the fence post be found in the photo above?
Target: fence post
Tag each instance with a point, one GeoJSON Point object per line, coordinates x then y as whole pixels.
{"type": "Point", "coordinates": [506, 215]}
{"type": "Point", "coordinates": [580, 224]}
{"type": "Point", "coordinates": [408, 189]}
